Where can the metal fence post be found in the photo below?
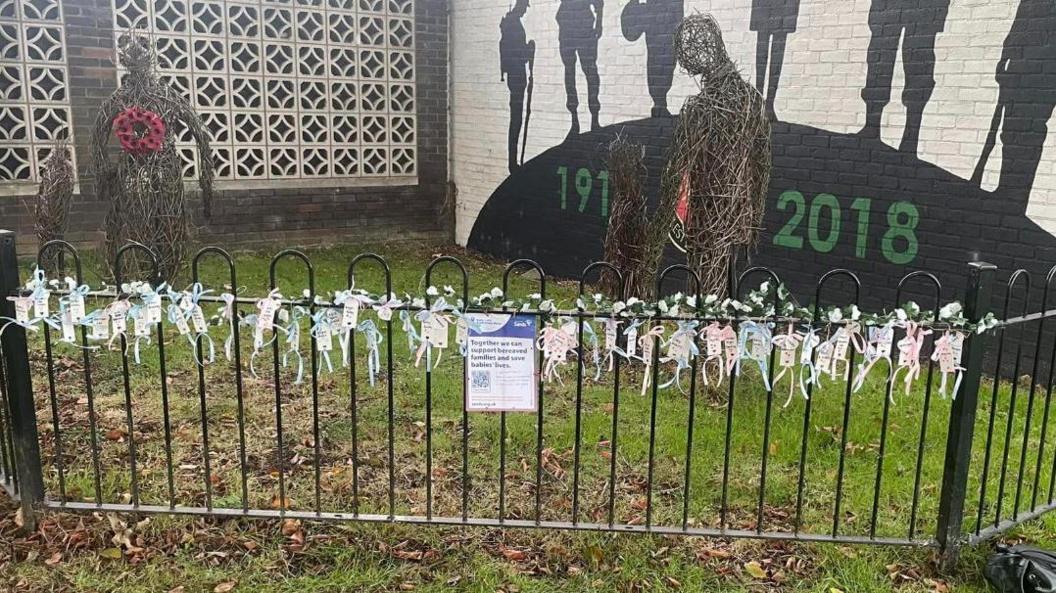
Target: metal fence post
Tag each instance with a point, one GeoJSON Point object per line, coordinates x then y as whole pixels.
{"type": "Point", "coordinates": [962, 418]}
{"type": "Point", "coordinates": [22, 412]}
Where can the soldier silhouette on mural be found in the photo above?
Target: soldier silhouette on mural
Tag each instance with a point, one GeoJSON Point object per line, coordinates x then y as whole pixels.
{"type": "Point", "coordinates": [578, 31]}
{"type": "Point", "coordinates": [922, 21]}
{"type": "Point", "coordinates": [516, 61]}
{"type": "Point", "coordinates": [773, 20]}
{"type": "Point", "coordinates": [1026, 77]}
{"type": "Point", "coordinates": [657, 20]}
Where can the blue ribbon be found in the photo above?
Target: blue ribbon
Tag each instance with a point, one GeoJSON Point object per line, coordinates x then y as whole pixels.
{"type": "Point", "coordinates": [373, 338]}
{"type": "Point", "coordinates": [749, 330]}
{"type": "Point", "coordinates": [685, 329]}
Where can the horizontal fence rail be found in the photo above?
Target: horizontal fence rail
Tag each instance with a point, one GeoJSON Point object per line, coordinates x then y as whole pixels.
{"type": "Point", "coordinates": [156, 424]}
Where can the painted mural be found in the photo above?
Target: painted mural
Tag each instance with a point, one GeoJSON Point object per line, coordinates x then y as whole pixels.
{"type": "Point", "coordinates": [836, 198]}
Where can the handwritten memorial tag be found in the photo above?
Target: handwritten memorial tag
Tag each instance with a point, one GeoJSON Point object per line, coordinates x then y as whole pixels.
{"type": "Point", "coordinates": [100, 328]}
{"type": "Point", "coordinates": [69, 335]}
{"type": "Point", "coordinates": [22, 307]}
{"type": "Point", "coordinates": [434, 329]}
{"type": "Point", "coordinates": [40, 302]}
{"type": "Point", "coordinates": [198, 320]}
{"type": "Point", "coordinates": [350, 314]}
{"type": "Point", "coordinates": [153, 304]}
{"type": "Point", "coordinates": [76, 306]}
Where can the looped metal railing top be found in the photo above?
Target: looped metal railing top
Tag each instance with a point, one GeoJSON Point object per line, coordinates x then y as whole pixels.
{"type": "Point", "coordinates": [678, 486]}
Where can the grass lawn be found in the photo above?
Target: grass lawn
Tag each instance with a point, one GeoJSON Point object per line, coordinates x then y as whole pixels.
{"type": "Point", "coordinates": [105, 552]}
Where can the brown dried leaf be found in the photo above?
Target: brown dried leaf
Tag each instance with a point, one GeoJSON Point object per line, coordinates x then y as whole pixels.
{"type": "Point", "coordinates": [225, 587]}
{"type": "Point", "coordinates": [755, 569]}
{"type": "Point", "coordinates": [513, 554]}
{"type": "Point", "coordinates": [290, 527]}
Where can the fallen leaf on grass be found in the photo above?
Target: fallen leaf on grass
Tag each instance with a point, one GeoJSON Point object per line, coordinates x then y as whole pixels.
{"type": "Point", "coordinates": [937, 585]}
{"type": "Point", "coordinates": [290, 527]}
{"type": "Point", "coordinates": [513, 554]}
{"type": "Point", "coordinates": [755, 569]}
{"type": "Point", "coordinates": [225, 587]}
{"type": "Point", "coordinates": [54, 559]}
{"type": "Point", "coordinates": [714, 553]}
{"type": "Point", "coordinates": [111, 553]}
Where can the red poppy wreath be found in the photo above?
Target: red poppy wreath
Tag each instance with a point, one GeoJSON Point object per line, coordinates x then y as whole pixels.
{"type": "Point", "coordinates": [140, 131]}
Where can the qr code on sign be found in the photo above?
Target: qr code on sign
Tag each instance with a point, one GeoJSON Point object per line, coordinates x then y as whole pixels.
{"type": "Point", "coordinates": [481, 380]}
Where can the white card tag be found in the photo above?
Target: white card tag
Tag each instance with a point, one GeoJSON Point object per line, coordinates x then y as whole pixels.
{"type": "Point", "coordinates": [76, 307]}
{"type": "Point", "coordinates": [730, 345]}
{"type": "Point", "coordinates": [713, 347]}
{"type": "Point", "coordinates": [461, 331]}
{"type": "Point", "coordinates": [788, 356]}
{"type": "Point", "coordinates": [198, 320]}
{"type": "Point", "coordinates": [760, 347]}
{"type": "Point", "coordinates": [810, 341]}
{"type": "Point", "coordinates": [884, 338]}
{"type": "Point", "coordinates": [266, 308]}
{"type": "Point", "coordinates": [22, 307]}
{"type": "Point", "coordinates": [153, 304]}
{"type": "Point", "coordinates": [647, 349]}
{"type": "Point", "coordinates": [843, 343]}
{"type": "Point", "coordinates": [632, 341]}
{"type": "Point", "coordinates": [100, 328]}
{"type": "Point", "coordinates": [324, 338]}
{"type": "Point", "coordinates": [118, 315]}
{"type": "Point", "coordinates": [181, 325]}
{"type": "Point", "coordinates": [434, 329]}
{"type": "Point", "coordinates": [68, 327]}
{"type": "Point", "coordinates": [904, 347]}
{"type": "Point", "coordinates": [186, 303]}
{"type": "Point", "coordinates": [610, 334]}
{"type": "Point", "coordinates": [40, 303]}
{"type": "Point", "coordinates": [946, 363]}
{"type": "Point", "coordinates": [678, 347]}
{"type": "Point", "coordinates": [350, 314]}
{"type": "Point", "coordinates": [957, 347]}
{"type": "Point", "coordinates": [824, 363]}
{"type": "Point", "coordinates": [141, 325]}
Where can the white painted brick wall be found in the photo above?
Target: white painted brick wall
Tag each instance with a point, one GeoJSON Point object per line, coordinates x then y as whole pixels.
{"type": "Point", "coordinates": [824, 71]}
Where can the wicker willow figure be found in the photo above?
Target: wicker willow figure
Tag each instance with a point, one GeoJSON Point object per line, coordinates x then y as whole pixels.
{"type": "Point", "coordinates": [145, 186]}
{"type": "Point", "coordinates": [51, 206]}
{"type": "Point", "coordinates": [719, 164]}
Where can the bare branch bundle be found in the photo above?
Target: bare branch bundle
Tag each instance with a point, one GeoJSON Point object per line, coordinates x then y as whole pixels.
{"type": "Point", "coordinates": [627, 237]}
{"type": "Point", "coordinates": [51, 206]}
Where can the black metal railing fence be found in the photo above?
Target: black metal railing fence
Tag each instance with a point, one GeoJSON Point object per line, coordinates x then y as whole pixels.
{"type": "Point", "coordinates": [105, 434]}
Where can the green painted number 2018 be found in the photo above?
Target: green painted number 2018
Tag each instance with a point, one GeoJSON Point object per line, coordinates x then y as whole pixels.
{"type": "Point", "coordinates": [898, 244]}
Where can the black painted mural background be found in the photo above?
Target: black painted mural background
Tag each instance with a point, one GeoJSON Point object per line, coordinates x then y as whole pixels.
{"type": "Point", "coordinates": [835, 200]}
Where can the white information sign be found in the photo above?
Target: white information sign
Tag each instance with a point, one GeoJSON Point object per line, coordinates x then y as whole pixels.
{"type": "Point", "coordinates": [500, 362]}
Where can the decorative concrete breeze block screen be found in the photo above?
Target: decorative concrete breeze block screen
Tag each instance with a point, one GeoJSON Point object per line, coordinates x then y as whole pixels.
{"type": "Point", "coordinates": [290, 89]}
{"type": "Point", "coordinates": [34, 88]}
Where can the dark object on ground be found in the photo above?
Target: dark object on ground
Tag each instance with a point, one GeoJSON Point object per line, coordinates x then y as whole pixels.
{"type": "Point", "coordinates": [1022, 569]}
